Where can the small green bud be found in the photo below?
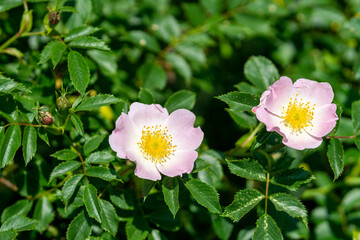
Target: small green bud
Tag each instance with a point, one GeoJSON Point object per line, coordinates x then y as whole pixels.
{"type": "Point", "coordinates": [62, 102]}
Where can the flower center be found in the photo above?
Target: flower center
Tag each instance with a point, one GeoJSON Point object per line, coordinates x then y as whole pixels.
{"type": "Point", "coordinates": [298, 114]}
{"type": "Point", "coordinates": [156, 144]}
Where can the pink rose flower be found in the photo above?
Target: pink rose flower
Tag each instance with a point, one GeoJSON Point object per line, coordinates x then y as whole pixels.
{"type": "Point", "coordinates": [302, 113]}
{"type": "Point", "coordinates": [156, 141]}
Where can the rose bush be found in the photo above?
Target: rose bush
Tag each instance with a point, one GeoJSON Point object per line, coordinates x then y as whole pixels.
{"type": "Point", "coordinates": [169, 119]}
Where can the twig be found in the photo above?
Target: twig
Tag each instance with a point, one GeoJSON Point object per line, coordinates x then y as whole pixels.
{"type": "Point", "coordinates": [81, 159]}
{"type": "Point", "coordinates": [8, 184]}
{"type": "Point", "coordinates": [330, 137]}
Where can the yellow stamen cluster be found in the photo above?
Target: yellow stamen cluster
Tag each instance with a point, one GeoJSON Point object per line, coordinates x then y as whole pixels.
{"type": "Point", "coordinates": [156, 144]}
{"type": "Point", "coordinates": [298, 115]}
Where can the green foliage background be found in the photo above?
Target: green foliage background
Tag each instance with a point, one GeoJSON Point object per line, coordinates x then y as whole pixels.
{"type": "Point", "coordinates": [63, 181]}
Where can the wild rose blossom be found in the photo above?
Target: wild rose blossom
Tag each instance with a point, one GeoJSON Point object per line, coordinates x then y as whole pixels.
{"type": "Point", "coordinates": [156, 141]}
{"type": "Point", "coordinates": [302, 113]}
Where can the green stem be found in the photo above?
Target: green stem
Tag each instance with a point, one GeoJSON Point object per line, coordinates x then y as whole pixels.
{"type": "Point", "coordinates": [267, 190]}
{"type": "Point", "coordinates": [9, 41]}
{"type": "Point", "coordinates": [252, 135]}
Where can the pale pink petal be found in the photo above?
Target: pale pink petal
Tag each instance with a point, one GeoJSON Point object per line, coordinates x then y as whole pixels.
{"type": "Point", "coordinates": [301, 141]}
{"type": "Point", "coordinates": [144, 168]}
{"type": "Point", "coordinates": [271, 121]}
{"type": "Point", "coordinates": [281, 92]}
{"type": "Point", "coordinates": [324, 120]}
{"type": "Point", "coordinates": [181, 162]}
{"type": "Point", "coordinates": [315, 92]}
{"type": "Point", "coordinates": [124, 136]}
{"type": "Point", "coordinates": [181, 128]}
{"type": "Point", "coordinates": [262, 100]}
{"type": "Point", "coordinates": [147, 115]}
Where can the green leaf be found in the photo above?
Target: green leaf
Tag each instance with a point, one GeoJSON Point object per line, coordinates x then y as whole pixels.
{"type": "Point", "coordinates": [137, 229]}
{"type": "Point", "coordinates": [69, 187]}
{"type": "Point", "coordinates": [92, 203]}
{"type": "Point", "coordinates": [260, 138]}
{"type": "Point", "coordinates": [244, 201]}
{"type": "Point", "coordinates": [29, 143]}
{"type": "Point", "coordinates": [2, 134]}
{"type": "Point", "coordinates": [79, 228]}
{"type": "Point", "coordinates": [79, 71]}
{"type": "Point", "coordinates": [63, 168]}
{"type": "Point", "coordinates": [81, 31]}
{"type": "Point", "coordinates": [103, 173]}
{"type": "Point", "coordinates": [145, 96]}
{"type": "Point", "coordinates": [97, 101]}
{"type": "Point", "coordinates": [10, 144]}
{"type": "Point", "coordinates": [68, 9]}
{"type": "Point", "coordinates": [167, 28]}
{"type": "Point", "coordinates": [93, 143]}
{"type": "Point", "coordinates": [88, 42]}
{"type": "Point", "coordinates": [6, 5]}
{"type": "Point", "coordinates": [181, 99]}
{"type": "Point", "coordinates": [100, 157]}
{"type": "Point", "coordinates": [46, 52]}
{"type": "Point", "coordinates": [152, 75]}
{"type": "Point", "coordinates": [266, 229]}
{"type": "Point", "coordinates": [180, 65]}
{"type": "Point", "coordinates": [44, 213]}
{"type": "Point", "coordinates": [43, 135]}
{"type": "Point", "coordinates": [8, 235]}
{"type": "Point", "coordinates": [239, 101]}
{"type": "Point", "coordinates": [143, 39]}
{"type": "Point", "coordinates": [261, 72]}
{"type": "Point", "coordinates": [78, 124]}
{"type": "Point", "coordinates": [355, 115]}
{"type": "Point", "coordinates": [170, 189]}
{"type": "Point", "coordinates": [107, 61]}
{"type": "Point", "coordinates": [65, 154]}
{"type": "Point", "coordinates": [21, 207]}
{"type": "Point", "coordinates": [7, 85]}
{"type": "Point", "coordinates": [122, 200]}
{"type": "Point", "coordinates": [249, 169]}
{"type": "Point", "coordinates": [213, 6]}
{"type": "Point", "coordinates": [200, 165]}
{"type": "Point", "coordinates": [8, 107]}
{"type": "Point", "coordinates": [146, 186]}
{"type": "Point", "coordinates": [335, 155]}
{"type": "Point", "coordinates": [192, 53]}
{"type": "Point", "coordinates": [291, 205]}
{"type": "Point", "coordinates": [163, 219]}
{"type": "Point", "coordinates": [56, 52]}
{"type": "Point", "coordinates": [204, 194]}
{"type": "Point", "coordinates": [351, 200]}
{"type": "Point", "coordinates": [110, 220]}
{"type": "Point", "coordinates": [19, 223]}
{"type": "Point", "coordinates": [292, 178]}
{"type": "Point", "coordinates": [222, 227]}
